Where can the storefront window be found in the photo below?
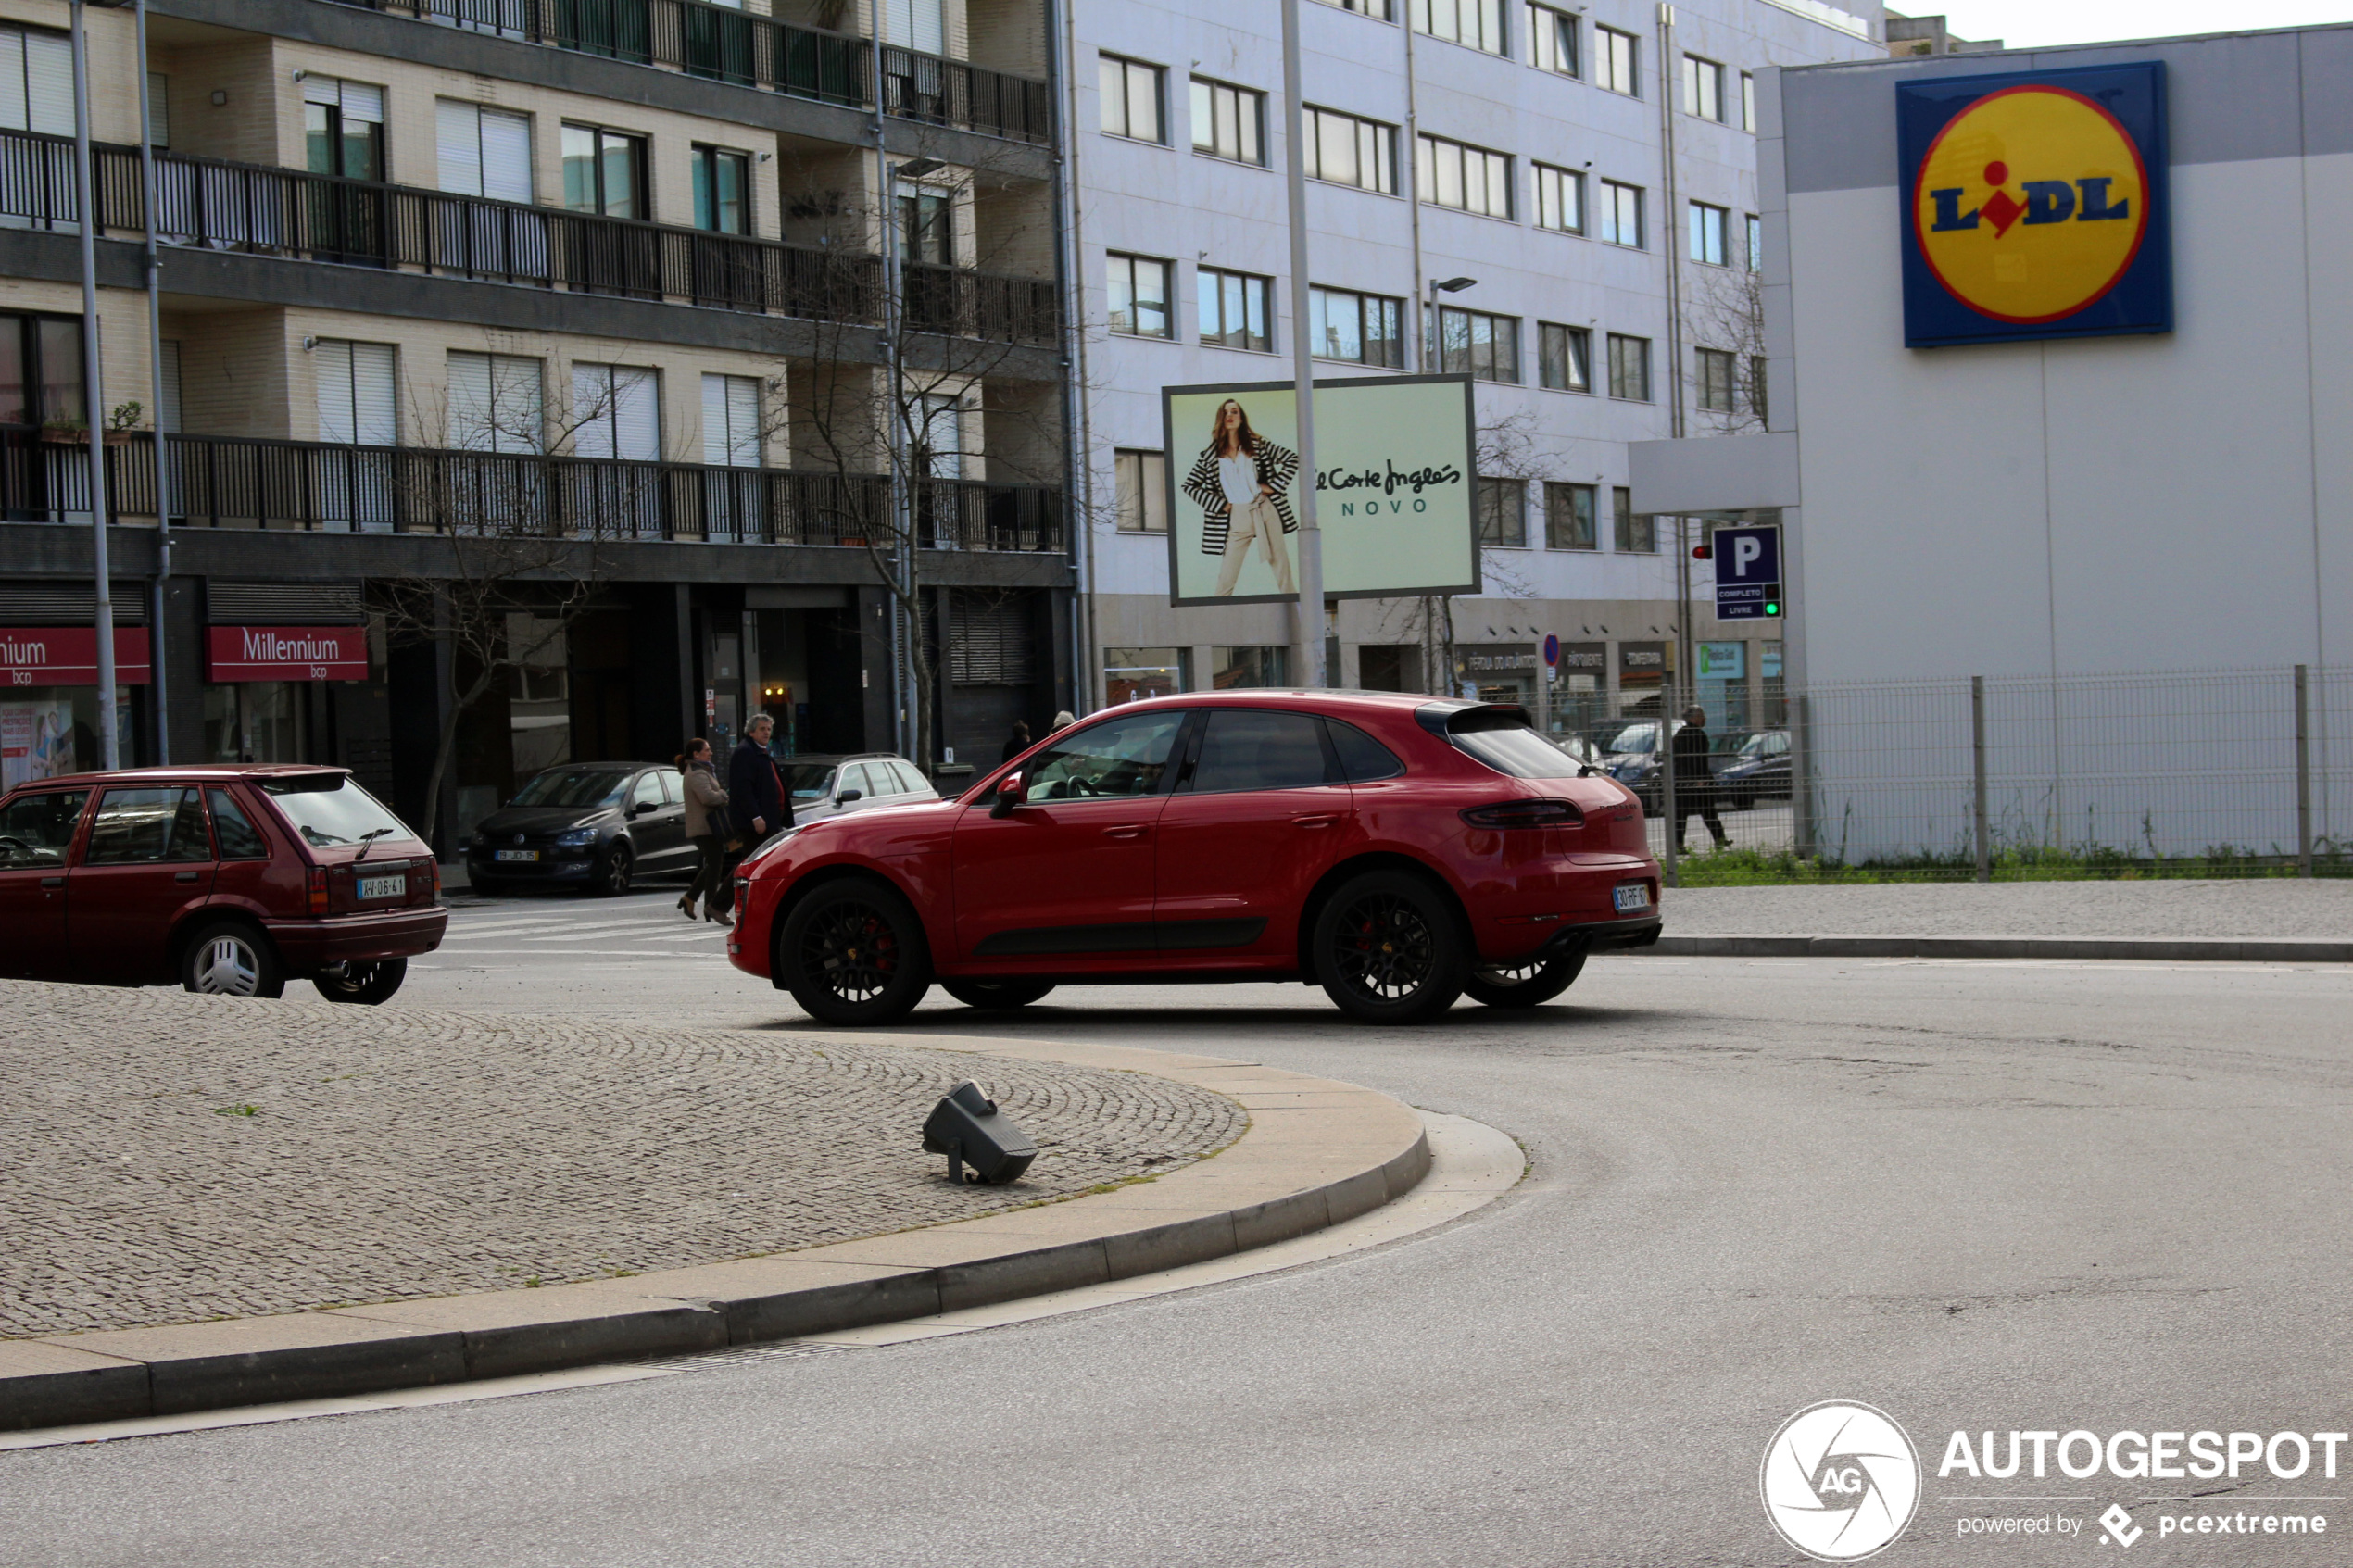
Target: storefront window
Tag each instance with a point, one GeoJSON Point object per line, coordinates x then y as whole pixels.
{"type": "Point", "coordinates": [1132, 675]}
{"type": "Point", "coordinates": [1775, 693]}
{"type": "Point", "coordinates": [1240, 667]}
{"type": "Point", "coordinates": [256, 721]}
{"type": "Point", "coordinates": [1723, 687]}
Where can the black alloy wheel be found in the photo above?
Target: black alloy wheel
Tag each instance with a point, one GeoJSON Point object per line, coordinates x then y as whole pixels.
{"type": "Point", "coordinates": [365, 984]}
{"type": "Point", "coordinates": [997, 995]}
{"type": "Point", "coordinates": [853, 954]}
{"type": "Point", "coordinates": [1525, 984]}
{"type": "Point", "coordinates": [611, 878]}
{"type": "Point", "coordinates": [1389, 949]}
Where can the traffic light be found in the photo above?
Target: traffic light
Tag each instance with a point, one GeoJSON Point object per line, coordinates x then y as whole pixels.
{"type": "Point", "coordinates": [1703, 552]}
{"type": "Point", "coordinates": [1772, 606]}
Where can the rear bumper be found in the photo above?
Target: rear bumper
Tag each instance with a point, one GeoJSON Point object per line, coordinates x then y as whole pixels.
{"type": "Point", "coordinates": [307, 944]}
{"type": "Point", "coordinates": [1603, 935]}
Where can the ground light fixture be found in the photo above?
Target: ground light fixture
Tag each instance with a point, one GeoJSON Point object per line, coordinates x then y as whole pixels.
{"type": "Point", "coordinates": [967, 1127]}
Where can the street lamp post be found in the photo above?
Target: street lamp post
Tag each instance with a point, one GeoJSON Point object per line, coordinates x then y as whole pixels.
{"type": "Point", "coordinates": [1310, 537]}
{"type": "Point", "coordinates": [86, 189]}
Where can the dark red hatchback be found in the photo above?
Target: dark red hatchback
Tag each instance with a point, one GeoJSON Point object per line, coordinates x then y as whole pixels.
{"type": "Point", "coordinates": [229, 879]}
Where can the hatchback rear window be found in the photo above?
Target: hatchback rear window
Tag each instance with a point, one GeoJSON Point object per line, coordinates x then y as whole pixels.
{"type": "Point", "coordinates": [1515, 748]}
{"type": "Point", "coordinates": [328, 810]}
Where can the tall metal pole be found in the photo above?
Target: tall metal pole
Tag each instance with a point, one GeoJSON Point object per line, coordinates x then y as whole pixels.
{"type": "Point", "coordinates": [110, 743]}
{"type": "Point", "coordinates": [901, 481]}
{"type": "Point", "coordinates": [1311, 539]}
{"type": "Point", "coordinates": [2303, 771]}
{"type": "Point", "coordinates": [165, 487]}
{"type": "Point", "coordinates": [1977, 748]}
{"type": "Point", "coordinates": [1670, 847]}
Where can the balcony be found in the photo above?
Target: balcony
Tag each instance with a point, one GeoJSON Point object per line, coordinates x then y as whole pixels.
{"type": "Point", "coordinates": [236, 482]}
{"type": "Point", "coordinates": [724, 44]}
{"type": "Point", "coordinates": [210, 205]}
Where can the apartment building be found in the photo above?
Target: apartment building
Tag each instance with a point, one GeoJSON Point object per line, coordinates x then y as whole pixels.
{"type": "Point", "coordinates": [1558, 199]}
{"type": "Point", "coordinates": [571, 343]}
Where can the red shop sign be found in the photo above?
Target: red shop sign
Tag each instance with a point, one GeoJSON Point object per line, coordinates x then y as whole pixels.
{"type": "Point", "coordinates": [286, 653]}
{"type": "Point", "coordinates": [68, 655]}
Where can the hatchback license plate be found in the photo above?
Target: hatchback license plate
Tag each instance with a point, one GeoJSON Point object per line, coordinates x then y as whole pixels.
{"type": "Point", "coordinates": [384, 887]}
{"type": "Point", "coordinates": [1632, 895]}
{"type": "Point", "coordinates": [519, 854]}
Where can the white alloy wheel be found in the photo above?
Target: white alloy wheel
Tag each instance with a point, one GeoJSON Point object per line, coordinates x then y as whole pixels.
{"type": "Point", "coordinates": [228, 967]}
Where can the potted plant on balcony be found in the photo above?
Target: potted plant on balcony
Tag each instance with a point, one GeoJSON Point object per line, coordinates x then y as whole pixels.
{"type": "Point", "coordinates": [121, 428]}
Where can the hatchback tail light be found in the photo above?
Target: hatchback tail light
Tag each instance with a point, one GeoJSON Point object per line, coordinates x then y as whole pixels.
{"type": "Point", "coordinates": [1526, 814]}
{"type": "Point", "coordinates": [432, 871]}
{"type": "Point", "coordinates": [318, 890]}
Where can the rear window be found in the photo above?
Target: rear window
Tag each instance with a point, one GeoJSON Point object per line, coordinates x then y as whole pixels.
{"type": "Point", "coordinates": [807, 780]}
{"type": "Point", "coordinates": [330, 809]}
{"type": "Point", "coordinates": [1511, 746]}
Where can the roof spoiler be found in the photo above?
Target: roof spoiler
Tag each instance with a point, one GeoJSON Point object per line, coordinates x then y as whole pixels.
{"type": "Point", "coordinates": [1469, 717]}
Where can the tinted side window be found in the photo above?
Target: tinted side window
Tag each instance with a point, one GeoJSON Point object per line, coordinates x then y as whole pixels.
{"type": "Point", "coordinates": [37, 830]}
{"type": "Point", "coordinates": [1253, 748]}
{"type": "Point", "coordinates": [137, 825]}
{"type": "Point", "coordinates": [1122, 756]}
{"type": "Point", "coordinates": [1362, 758]}
{"type": "Point", "coordinates": [648, 791]}
{"type": "Point", "coordinates": [238, 839]}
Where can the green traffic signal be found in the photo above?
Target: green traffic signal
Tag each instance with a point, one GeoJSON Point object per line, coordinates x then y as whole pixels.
{"type": "Point", "coordinates": [1772, 606]}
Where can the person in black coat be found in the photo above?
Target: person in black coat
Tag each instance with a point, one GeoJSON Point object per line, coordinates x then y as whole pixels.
{"type": "Point", "coordinates": [756, 797]}
{"type": "Point", "coordinates": [1694, 778]}
{"type": "Point", "coordinates": [1017, 742]}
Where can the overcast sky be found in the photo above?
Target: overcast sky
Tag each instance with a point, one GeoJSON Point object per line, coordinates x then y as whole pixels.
{"type": "Point", "coordinates": [2030, 23]}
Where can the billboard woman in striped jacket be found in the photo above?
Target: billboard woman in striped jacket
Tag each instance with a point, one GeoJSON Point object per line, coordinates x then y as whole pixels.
{"type": "Point", "coordinates": [1243, 482]}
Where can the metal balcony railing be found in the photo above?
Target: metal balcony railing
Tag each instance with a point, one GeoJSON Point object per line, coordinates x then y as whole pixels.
{"type": "Point", "coordinates": [725, 45]}
{"type": "Point", "coordinates": [240, 481]}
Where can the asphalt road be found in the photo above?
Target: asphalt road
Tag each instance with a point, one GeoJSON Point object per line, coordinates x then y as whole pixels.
{"type": "Point", "coordinates": [1978, 1195]}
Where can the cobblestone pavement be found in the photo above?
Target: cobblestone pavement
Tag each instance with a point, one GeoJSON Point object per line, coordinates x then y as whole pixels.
{"type": "Point", "coordinates": [2320, 908]}
{"type": "Point", "coordinates": [167, 1158]}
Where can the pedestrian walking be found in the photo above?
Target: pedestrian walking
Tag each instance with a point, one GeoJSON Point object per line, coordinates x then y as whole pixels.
{"type": "Point", "coordinates": [1062, 720]}
{"type": "Point", "coordinates": [1017, 742]}
{"type": "Point", "coordinates": [1694, 778]}
{"type": "Point", "coordinates": [756, 801]}
{"type": "Point", "coordinates": [708, 830]}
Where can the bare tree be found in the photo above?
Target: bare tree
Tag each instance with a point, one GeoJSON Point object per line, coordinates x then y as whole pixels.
{"type": "Point", "coordinates": [1727, 316]}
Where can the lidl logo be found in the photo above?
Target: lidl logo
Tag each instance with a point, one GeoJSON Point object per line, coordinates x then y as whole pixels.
{"type": "Point", "coordinates": [2036, 206]}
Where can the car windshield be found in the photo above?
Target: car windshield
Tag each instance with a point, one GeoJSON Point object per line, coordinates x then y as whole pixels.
{"type": "Point", "coordinates": [808, 781]}
{"type": "Point", "coordinates": [1636, 737]}
{"type": "Point", "coordinates": [573, 788]}
{"type": "Point", "coordinates": [330, 809]}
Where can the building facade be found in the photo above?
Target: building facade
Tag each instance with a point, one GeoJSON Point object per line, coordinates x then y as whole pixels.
{"type": "Point", "coordinates": [1511, 190]}
{"type": "Point", "coordinates": [561, 352]}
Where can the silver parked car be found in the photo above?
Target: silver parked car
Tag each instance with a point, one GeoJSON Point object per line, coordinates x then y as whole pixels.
{"type": "Point", "coordinates": [826, 786]}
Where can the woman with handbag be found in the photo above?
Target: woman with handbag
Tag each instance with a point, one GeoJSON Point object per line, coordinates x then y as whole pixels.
{"type": "Point", "coordinates": [707, 828]}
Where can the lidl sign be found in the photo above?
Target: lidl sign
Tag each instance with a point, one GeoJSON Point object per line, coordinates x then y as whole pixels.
{"type": "Point", "coordinates": [2035, 205]}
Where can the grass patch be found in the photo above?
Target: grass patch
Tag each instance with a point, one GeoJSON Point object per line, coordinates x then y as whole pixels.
{"type": "Point", "coordinates": [1782, 868]}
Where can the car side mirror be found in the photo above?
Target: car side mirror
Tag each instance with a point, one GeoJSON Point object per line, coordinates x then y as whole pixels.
{"type": "Point", "coordinates": [1010, 792]}
{"type": "Point", "coordinates": [847, 796]}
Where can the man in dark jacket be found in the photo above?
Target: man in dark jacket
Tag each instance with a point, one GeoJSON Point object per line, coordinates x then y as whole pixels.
{"type": "Point", "coordinates": [1694, 780]}
{"type": "Point", "coordinates": [756, 794]}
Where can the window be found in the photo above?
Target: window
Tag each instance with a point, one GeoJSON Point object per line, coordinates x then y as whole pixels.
{"type": "Point", "coordinates": [995, 640]}
{"type": "Point", "coordinates": [1630, 368]}
{"type": "Point", "coordinates": [1703, 88]}
{"type": "Point", "coordinates": [1568, 518]}
{"type": "Point", "coordinates": [1709, 225]}
{"type": "Point", "coordinates": [1139, 289]}
{"type": "Point", "coordinates": [41, 369]}
{"type": "Point", "coordinates": [604, 171]}
{"type": "Point", "coordinates": [1716, 371]}
{"type": "Point", "coordinates": [1239, 666]}
{"type": "Point", "coordinates": [1363, 329]}
{"type": "Point", "coordinates": [357, 396]}
{"type": "Point", "coordinates": [1233, 309]}
{"type": "Point", "coordinates": [1474, 343]}
{"type": "Point", "coordinates": [722, 190]}
{"type": "Point", "coordinates": [1618, 61]}
{"type": "Point", "coordinates": [1465, 178]}
{"type": "Point", "coordinates": [1363, 758]}
{"type": "Point", "coordinates": [926, 225]}
{"type": "Point", "coordinates": [1131, 674]}
{"type": "Point", "coordinates": [483, 152]}
{"type": "Point", "coordinates": [1551, 40]}
{"type": "Point", "coordinates": [1122, 756]}
{"type": "Point", "coordinates": [1229, 121]}
{"type": "Point", "coordinates": [1560, 199]}
{"type": "Point", "coordinates": [731, 421]}
{"type": "Point", "coordinates": [1349, 150]}
{"type": "Point", "coordinates": [1132, 95]}
{"type": "Point", "coordinates": [1748, 102]}
{"type": "Point", "coordinates": [935, 436]}
{"type": "Point", "coordinates": [616, 411]}
{"type": "Point", "coordinates": [1378, 9]}
{"type": "Point", "coordinates": [135, 825]}
{"type": "Point", "coordinates": [1638, 534]}
{"type": "Point", "coordinates": [1757, 404]}
{"type": "Point", "coordinates": [1256, 749]}
{"type": "Point", "coordinates": [1756, 243]}
{"type": "Point", "coordinates": [343, 127]}
{"type": "Point", "coordinates": [1564, 357]}
{"type": "Point", "coordinates": [1622, 214]}
{"type": "Point", "coordinates": [1479, 23]}
{"type": "Point", "coordinates": [1144, 491]}
{"type": "Point", "coordinates": [36, 82]}
{"type": "Point", "coordinates": [1503, 513]}
{"type": "Point", "coordinates": [239, 839]}
{"type": "Point", "coordinates": [37, 830]}
{"type": "Point", "coordinates": [494, 402]}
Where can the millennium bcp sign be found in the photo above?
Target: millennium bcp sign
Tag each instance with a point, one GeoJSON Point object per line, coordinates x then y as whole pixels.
{"type": "Point", "coordinates": [2035, 205]}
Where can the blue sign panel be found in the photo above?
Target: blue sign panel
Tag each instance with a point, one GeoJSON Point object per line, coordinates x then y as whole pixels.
{"type": "Point", "coordinates": [1748, 572]}
{"type": "Point", "coordinates": [2035, 205]}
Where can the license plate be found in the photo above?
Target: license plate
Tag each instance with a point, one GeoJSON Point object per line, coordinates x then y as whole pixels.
{"type": "Point", "coordinates": [1632, 895]}
{"type": "Point", "coordinates": [384, 887]}
{"type": "Point", "coordinates": [519, 854]}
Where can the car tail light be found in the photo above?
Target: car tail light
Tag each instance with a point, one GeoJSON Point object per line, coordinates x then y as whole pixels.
{"type": "Point", "coordinates": [432, 871]}
{"type": "Point", "coordinates": [318, 890]}
{"type": "Point", "coordinates": [1526, 814]}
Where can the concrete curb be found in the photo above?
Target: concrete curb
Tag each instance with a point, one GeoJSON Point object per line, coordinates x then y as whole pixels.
{"type": "Point", "coordinates": [1317, 1152]}
{"type": "Point", "coordinates": [2161, 950]}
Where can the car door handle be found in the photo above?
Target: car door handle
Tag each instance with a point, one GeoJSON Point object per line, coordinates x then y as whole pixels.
{"type": "Point", "coordinates": [1135, 831]}
{"type": "Point", "coordinates": [1317, 820]}
{"type": "Point", "coordinates": [53, 882]}
{"type": "Point", "coordinates": [184, 876]}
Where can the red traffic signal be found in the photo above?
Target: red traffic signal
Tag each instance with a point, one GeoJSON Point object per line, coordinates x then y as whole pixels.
{"type": "Point", "coordinates": [1703, 552]}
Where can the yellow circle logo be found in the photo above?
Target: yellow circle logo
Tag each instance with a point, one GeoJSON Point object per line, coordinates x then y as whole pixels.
{"type": "Point", "coordinates": [2030, 204]}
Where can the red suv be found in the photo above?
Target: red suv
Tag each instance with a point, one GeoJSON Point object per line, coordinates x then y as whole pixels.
{"type": "Point", "coordinates": [1397, 850]}
{"type": "Point", "coordinates": [227, 879]}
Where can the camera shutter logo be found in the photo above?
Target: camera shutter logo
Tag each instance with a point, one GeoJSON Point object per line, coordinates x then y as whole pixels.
{"type": "Point", "coordinates": [1840, 1481]}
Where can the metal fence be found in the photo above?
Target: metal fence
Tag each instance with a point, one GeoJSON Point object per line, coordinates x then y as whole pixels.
{"type": "Point", "coordinates": [2206, 773]}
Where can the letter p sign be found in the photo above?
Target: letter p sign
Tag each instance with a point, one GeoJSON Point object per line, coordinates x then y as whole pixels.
{"type": "Point", "coordinates": [1747, 550]}
{"type": "Point", "coordinates": [1748, 572]}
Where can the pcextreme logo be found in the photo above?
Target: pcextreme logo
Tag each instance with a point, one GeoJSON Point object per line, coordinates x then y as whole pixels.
{"type": "Point", "coordinates": [2036, 206]}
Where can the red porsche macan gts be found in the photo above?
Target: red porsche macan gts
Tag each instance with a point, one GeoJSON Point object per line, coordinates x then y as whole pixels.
{"type": "Point", "coordinates": [1396, 850]}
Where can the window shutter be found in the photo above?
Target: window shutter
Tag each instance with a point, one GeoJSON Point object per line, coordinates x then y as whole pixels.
{"type": "Point", "coordinates": [592, 407]}
{"type": "Point", "coordinates": [48, 70]}
{"type": "Point", "coordinates": [457, 130]}
{"type": "Point", "coordinates": [471, 418]}
{"type": "Point", "coordinates": [506, 156]}
{"type": "Point", "coordinates": [991, 646]}
{"type": "Point", "coordinates": [169, 418]}
{"type": "Point", "coordinates": [14, 114]}
{"type": "Point", "coordinates": [332, 359]}
{"type": "Point", "coordinates": [363, 102]}
{"type": "Point", "coordinates": [743, 421]}
{"type": "Point", "coordinates": [318, 89]}
{"type": "Point", "coordinates": [636, 414]}
{"type": "Point", "coordinates": [919, 24]}
{"type": "Point", "coordinates": [159, 108]}
{"type": "Point", "coordinates": [374, 398]}
{"type": "Point", "coordinates": [516, 395]}
{"type": "Point", "coordinates": [714, 420]}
